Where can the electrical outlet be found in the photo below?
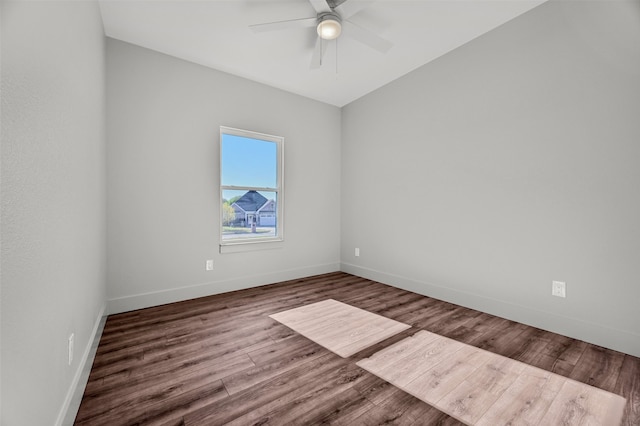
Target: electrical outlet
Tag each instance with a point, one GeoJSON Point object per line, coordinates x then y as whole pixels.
{"type": "Point", "coordinates": [357, 252]}
{"type": "Point", "coordinates": [71, 338]}
{"type": "Point", "coordinates": [209, 266]}
{"type": "Point", "coordinates": [559, 289]}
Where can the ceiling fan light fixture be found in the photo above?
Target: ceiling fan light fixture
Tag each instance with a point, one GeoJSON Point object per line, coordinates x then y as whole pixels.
{"type": "Point", "coordinates": [329, 26]}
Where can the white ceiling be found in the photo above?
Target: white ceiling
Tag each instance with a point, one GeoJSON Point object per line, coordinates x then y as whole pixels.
{"type": "Point", "coordinates": [216, 33]}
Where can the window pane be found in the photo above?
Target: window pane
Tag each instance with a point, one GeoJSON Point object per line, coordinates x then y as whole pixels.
{"type": "Point", "coordinates": [249, 214]}
{"type": "Point", "coordinates": [248, 162]}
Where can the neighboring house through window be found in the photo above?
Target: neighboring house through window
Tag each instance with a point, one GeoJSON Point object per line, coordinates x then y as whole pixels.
{"type": "Point", "coordinates": [253, 207]}
{"type": "Point", "coordinates": [251, 193]}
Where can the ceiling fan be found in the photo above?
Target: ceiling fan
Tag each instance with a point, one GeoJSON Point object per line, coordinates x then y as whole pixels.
{"type": "Point", "coordinates": [331, 21]}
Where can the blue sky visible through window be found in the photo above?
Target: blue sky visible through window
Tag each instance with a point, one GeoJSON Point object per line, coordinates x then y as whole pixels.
{"type": "Point", "coordinates": [248, 162]}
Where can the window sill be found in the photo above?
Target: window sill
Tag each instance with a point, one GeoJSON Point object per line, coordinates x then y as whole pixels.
{"type": "Point", "coordinates": [245, 246]}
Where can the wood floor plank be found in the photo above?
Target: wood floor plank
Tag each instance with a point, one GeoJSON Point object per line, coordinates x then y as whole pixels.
{"type": "Point", "coordinates": [428, 352]}
{"type": "Point", "coordinates": [278, 350]}
{"type": "Point", "coordinates": [172, 357]}
{"type": "Point", "coordinates": [628, 385]}
{"type": "Point", "coordinates": [251, 376]}
{"type": "Point", "coordinates": [404, 409]}
{"type": "Point", "coordinates": [566, 352]}
{"type": "Point", "coordinates": [318, 403]}
{"type": "Point", "coordinates": [129, 398]}
{"type": "Point", "coordinates": [526, 401]}
{"type": "Point", "coordinates": [339, 327]}
{"type": "Point", "coordinates": [598, 365]}
{"type": "Point", "coordinates": [173, 364]}
{"type": "Point", "coordinates": [442, 378]}
{"type": "Point", "coordinates": [483, 388]}
{"type": "Point", "coordinates": [386, 358]}
{"type": "Point", "coordinates": [268, 394]}
{"type": "Point", "coordinates": [531, 346]}
{"type": "Point", "coordinates": [376, 390]}
{"type": "Point", "coordinates": [162, 412]}
{"type": "Point", "coordinates": [477, 393]}
{"type": "Point", "coordinates": [503, 342]}
{"type": "Point", "coordinates": [577, 405]}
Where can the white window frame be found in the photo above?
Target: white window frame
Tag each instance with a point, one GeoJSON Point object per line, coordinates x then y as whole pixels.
{"type": "Point", "coordinates": [254, 243]}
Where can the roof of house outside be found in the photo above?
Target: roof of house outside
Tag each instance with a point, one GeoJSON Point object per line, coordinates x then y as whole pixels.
{"type": "Point", "coordinates": [251, 201]}
{"type": "Point", "coordinates": [268, 207]}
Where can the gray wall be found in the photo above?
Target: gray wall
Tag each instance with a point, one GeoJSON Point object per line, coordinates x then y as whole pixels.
{"type": "Point", "coordinates": [163, 119]}
{"type": "Point", "coordinates": [518, 155]}
{"type": "Point", "coordinates": [53, 201]}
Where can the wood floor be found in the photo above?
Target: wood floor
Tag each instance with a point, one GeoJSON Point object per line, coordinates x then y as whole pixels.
{"type": "Point", "coordinates": [222, 360]}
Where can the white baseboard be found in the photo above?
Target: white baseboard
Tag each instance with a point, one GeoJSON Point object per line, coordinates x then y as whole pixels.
{"type": "Point", "coordinates": [146, 300]}
{"type": "Point", "coordinates": [73, 399]}
{"type": "Point", "coordinates": [619, 340]}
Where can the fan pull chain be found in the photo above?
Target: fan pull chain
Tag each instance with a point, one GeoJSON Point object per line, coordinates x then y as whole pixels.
{"type": "Point", "coordinates": [336, 56]}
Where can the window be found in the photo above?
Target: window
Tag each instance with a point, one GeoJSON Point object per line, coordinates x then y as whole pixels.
{"type": "Point", "coordinates": [251, 196]}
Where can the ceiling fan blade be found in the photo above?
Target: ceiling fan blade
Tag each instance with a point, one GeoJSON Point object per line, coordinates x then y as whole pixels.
{"type": "Point", "coordinates": [284, 25]}
{"type": "Point", "coordinates": [350, 7]}
{"type": "Point", "coordinates": [318, 53]}
{"type": "Point", "coordinates": [320, 6]}
{"type": "Point", "coordinates": [335, 3]}
{"type": "Point", "coordinates": [372, 40]}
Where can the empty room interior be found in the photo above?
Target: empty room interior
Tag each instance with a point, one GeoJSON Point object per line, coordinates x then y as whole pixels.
{"type": "Point", "coordinates": [186, 184]}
